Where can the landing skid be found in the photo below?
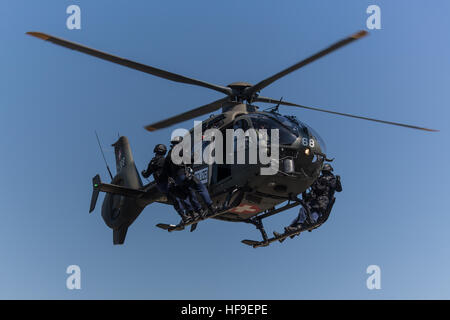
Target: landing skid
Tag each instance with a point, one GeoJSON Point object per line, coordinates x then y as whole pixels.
{"type": "Point", "coordinates": [277, 237]}
{"type": "Point", "coordinates": [257, 221]}
{"type": "Point", "coordinates": [233, 199]}
{"type": "Point", "coordinates": [193, 223]}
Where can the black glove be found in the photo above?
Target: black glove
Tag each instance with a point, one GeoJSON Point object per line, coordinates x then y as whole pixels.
{"type": "Point", "coordinates": [144, 173]}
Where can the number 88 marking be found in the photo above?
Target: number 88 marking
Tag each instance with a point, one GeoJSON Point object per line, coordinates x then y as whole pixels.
{"type": "Point", "coordinates": [307, 143]}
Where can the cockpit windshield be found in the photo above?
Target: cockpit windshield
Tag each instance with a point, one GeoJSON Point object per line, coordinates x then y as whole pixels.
{"type": "Point", "coordinates": [290, 128]}
{"type": "Point", "coordinates": [299, 129]}
{"type": "Point", "coordinates": [291, 123]}
{"type": "Point", "coordinates": [262, 121]}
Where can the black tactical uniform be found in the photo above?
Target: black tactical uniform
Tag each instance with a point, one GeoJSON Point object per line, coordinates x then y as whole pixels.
{"type": "Point", "coordinates": [157, 167]}
{"type": "Point", "coordinates": [318, 199]}
{"type": "Point", "coordinates": [323, 189]}
{"type": "Point", "coordinates": [188, 183]}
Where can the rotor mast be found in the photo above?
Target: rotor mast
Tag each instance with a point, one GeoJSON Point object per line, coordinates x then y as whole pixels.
{"type": "Point", "coordinates": [238, 98]}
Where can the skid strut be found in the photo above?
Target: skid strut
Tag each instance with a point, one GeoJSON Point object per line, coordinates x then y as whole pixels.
{"type": "Point", "coordinates": [233, 199]}
{"type": "Point", "coordinates": [257, 222]}
{"type": "Point", "coordinates": [259, 225]}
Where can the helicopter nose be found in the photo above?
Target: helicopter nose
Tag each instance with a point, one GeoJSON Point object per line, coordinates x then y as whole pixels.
{"type": "Point", "coordinates": [302, 156]}
{"type": "Point", "coordinates": [293, 158]}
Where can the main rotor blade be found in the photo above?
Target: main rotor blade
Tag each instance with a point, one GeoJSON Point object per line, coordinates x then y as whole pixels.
{"type": "Point", "coordinates": [264, 83]}
{"type": "Point", "coordinates": [130, 64]}
{"type": "Point", "coordinates": [270, 100]}
{"type": "Point", "coordinates": [208, 108]}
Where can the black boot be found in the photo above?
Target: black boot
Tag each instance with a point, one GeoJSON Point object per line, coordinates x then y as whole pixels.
{"type": "Point", "coordinates": [185, 219]}
{"type": "Point", "coordinates": [294, 228]}
{"type": "Point", "coordinates": [203, 213]}
{"type": "Point", "coordinates": [194, 215]}
{"type": "Point", "coordinates": [291, 229]}
{"type": "Point", "coordinates": [278, 235]}
{"type": "Point", "coordinates": [212, 209]}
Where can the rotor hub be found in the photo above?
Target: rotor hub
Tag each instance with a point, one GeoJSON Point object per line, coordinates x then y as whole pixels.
{"type": "Point", "coordinates": [237, 85]}
{"type": "Point", "coordinates": [239, 89]}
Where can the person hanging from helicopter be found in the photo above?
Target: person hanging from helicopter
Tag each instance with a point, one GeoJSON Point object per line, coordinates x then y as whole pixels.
{"type": "Point", "coordinates": [186, 180]}
{"type": "Point", "coordinates": [317, 200]}
{"type": "Point", "coordinates": [156, 167]}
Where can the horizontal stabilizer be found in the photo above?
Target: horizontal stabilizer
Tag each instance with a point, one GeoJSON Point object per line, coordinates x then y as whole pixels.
{"type": "Point", "coordinates": [111, 188]}
{"type": "Point", "coordinates": [115, 189]}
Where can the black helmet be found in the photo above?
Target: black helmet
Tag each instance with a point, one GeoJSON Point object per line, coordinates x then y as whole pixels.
{"type": "Point", "coordinates": [160, 149]}
{"type": "Point", "coordinates": [327, 167]}
{"type": "Point", "coordinates": [176, 140]}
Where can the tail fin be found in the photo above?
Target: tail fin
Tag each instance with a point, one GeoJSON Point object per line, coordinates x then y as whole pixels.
{"type": "Point", "coordinates": [120, 210]}
{"type": "Point", "coordinates": [125, 164]}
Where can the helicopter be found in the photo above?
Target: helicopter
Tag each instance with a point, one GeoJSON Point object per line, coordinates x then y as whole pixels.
{"type": "Point", "coordinates": [242, 193]}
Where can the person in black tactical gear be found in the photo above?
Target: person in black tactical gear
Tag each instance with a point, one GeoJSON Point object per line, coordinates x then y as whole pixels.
{"type": "Point", "coordinates": [157, 168]}
{"type": "Point", "coordinates": [188, 183]}
{"type": "Point", "coordinates": [317, 200]}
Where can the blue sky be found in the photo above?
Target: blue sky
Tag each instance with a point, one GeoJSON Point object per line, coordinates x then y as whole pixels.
{"type": "Point", "coordinates": [393, 210]}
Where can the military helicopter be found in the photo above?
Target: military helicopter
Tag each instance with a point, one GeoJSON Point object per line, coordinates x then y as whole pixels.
{"type": "Point", "coordinates": [243, 194]}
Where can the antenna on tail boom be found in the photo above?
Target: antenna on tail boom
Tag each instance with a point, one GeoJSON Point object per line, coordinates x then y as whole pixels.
{"type": "Point", "coordinates": [101, 149]}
